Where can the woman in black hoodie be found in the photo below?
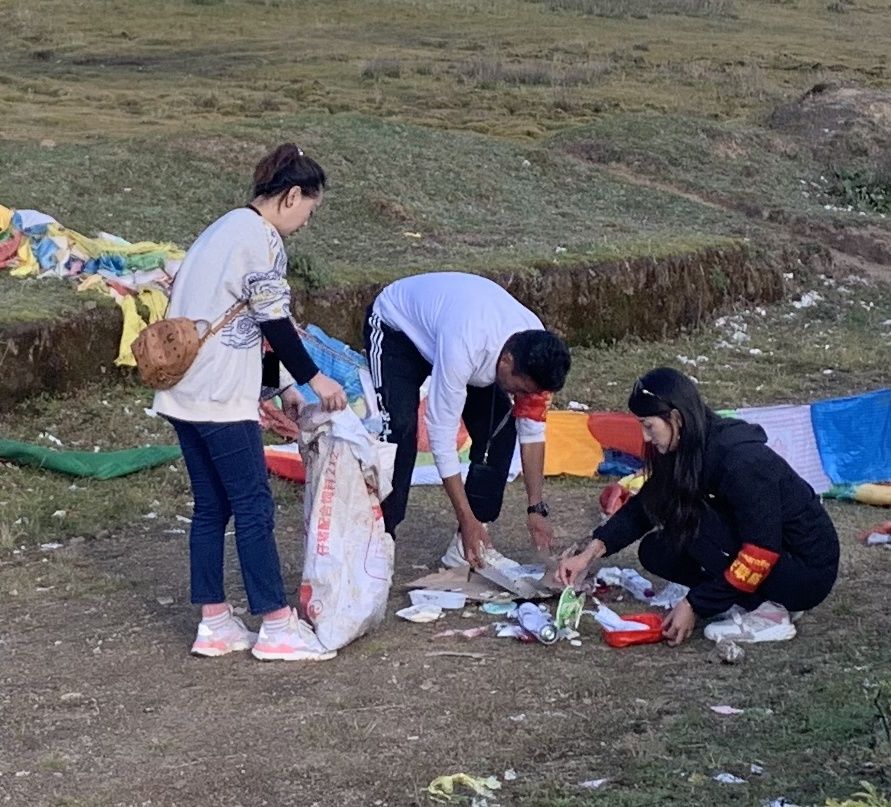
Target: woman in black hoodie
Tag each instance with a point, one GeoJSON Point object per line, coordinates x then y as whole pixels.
{"type": "Point", "coordinates": [721, 513]}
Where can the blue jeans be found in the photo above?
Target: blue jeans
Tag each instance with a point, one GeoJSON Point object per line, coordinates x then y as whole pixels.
{"type": "Point", "coordinates": [228, 474]}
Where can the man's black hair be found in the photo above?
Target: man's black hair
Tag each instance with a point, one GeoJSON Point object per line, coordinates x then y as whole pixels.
{"type": "Point", "coordinates": [541, 355]}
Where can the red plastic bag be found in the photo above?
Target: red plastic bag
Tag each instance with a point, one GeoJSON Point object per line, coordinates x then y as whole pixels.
{"type": "Point", "coordinates": [626, 638]}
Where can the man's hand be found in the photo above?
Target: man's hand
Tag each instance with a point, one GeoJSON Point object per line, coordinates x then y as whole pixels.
{"type": "Point", "coordinates": [679, 624]}
{"type": "Point", "coordinates": [540, 530]}
{"type": "Point", "coordinates": [474, 539]}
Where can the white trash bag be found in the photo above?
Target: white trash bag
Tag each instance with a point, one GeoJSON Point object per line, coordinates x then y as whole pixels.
{"type": "Point", "coordinates": [349, 559]}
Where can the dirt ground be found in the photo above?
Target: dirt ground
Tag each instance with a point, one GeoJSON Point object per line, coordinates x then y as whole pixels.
{"type": "Point", "coordinates": [101, 703]}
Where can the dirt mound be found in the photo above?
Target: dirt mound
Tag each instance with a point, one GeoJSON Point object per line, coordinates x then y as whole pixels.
{"type": "Point", "coordinates": [841, 123]}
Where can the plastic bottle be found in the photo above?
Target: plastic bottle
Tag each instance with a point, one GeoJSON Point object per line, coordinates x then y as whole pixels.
{"type": "Point", "coordinates": [538, 623]}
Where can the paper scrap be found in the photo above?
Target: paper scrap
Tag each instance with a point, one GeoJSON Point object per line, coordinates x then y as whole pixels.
{"type": "Point", "coordinates": [611, 621]}
{"type": "Point", "coordinates": [470, 633]}
{"type": "Point", "coordinates": [420, 613]}
{"type": "Point", "coordinates": [726, 710]}
{"type": "Point", "coordinates": [443, 787]}
{"type": "Point", "coordinates": [728, 779]}
{"type": "Point", "coordinates": [593, 784]}
{"type": "Point", "coordinates": [670, 596]}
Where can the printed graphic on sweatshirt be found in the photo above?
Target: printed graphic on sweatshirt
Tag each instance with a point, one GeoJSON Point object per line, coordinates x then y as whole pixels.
{"type": "Point", "coordinates": [269, 298]}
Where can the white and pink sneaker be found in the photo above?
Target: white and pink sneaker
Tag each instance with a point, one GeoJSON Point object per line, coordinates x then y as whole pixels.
{"type": "Point", "coordinates": [295, 640]}
{"type": "Point", "coordinates": [769, 622]}
{"type": "Point", "coordinates": [222, 634]}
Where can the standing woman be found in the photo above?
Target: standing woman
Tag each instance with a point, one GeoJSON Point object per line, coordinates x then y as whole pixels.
{"type": "Point", "coordinates": [721, 513]}
{"type": "Point", "coordinates": [240, 259]}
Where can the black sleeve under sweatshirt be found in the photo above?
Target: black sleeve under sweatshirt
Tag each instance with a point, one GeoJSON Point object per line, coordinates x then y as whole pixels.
{"type": "Point", "coordinates": [288, 349]}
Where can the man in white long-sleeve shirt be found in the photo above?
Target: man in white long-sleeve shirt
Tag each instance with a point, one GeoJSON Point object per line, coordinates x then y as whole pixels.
{"type": "Point", "coordinates": [491, 364]}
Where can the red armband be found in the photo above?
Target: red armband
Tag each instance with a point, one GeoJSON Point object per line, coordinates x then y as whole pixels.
{"type": "Point", "coordinates": [751, 565]}
{"type": "Point", "coordinates": [532, 407]}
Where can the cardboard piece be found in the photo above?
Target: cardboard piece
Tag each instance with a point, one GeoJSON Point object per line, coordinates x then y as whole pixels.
{"type": "Point", "coordinates": [486, 585]}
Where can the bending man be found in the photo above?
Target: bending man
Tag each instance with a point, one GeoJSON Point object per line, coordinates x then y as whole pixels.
{"type": "Point", "coordinates": [492, 364]}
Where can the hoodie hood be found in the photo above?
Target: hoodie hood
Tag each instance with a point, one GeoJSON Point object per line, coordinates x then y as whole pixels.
{"type": "Point", "coordinates": [725, 434]}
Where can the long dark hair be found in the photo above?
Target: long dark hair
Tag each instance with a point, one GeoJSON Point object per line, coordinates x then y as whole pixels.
{"type": "Point", "coordinates": [673, 492]}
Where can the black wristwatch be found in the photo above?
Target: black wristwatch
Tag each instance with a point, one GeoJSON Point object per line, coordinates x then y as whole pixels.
{"type": "Point", "coordinates": [541, 508]}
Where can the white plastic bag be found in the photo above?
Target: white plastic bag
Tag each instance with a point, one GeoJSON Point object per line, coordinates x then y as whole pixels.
{"type": "Point", "coordinates": [348, 566]}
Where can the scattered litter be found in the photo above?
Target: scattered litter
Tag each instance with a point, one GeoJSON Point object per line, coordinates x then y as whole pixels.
{"type": "Point", "coordinates": [523, 581]}
{"type": "Point", "coordinates": [420, 613]}
{"type": "Point", "coordinates": [442, 599]}
{"type": "Point", "coordinates": [877, 534]}
{"type": "Point", "coordinates": [467, 615]}
{"type": "Point", "coordinates": [470, 633]}
{"type": "Point", "coordinates": [756, 769]}
{"type": "Point", "coordinates": [517, 718]}
{"type": "Point", "coordinates": [174, 532]}
{"type": "Point", "coordinates": [629, 579]}
{"type": "Point", "coordinates": [461, 579]}
{"type": "Point", "coordinates": [808, 300]}
{"type": "Point", "coordinates": [537, 622]}
{"type": "Point", "coordinates": [593, 784]}
{"type": "Point", "coordinates": [60, 514]}
{"type": "Point", "coordinates": [412, 235]}
{"type": "Point", "coordinates": [506, 630]}
{"type": "Point", "coordinates": [150, 412]}
{"type": "Point", "coordinates": [729, 652]}
{"type": "Point", "coordinates": [876, 538]}
{"type": "Point", "coordinates": [577, 406]}
{"type": "Point", "coordinates": [49, 547]}
{"type": "Point", "coordinates": [782, 801]}
{"type": "Point", "coordinates": [165, 600]}
{"type": "Point", "coordinates": [726, 710]}
{"type": "Point", "coordinates": [499, 608]}
{"type": "Point", "coordinates": [670, 596]}
{"type": "Point", "coordinates": [510, 775]}
{"type": "Point", "coordinates": [150, 515]}
{"type": "Point", "coordinates": [49, 438]}
{"type": "Point", "coordinates": [728, 779]}
{"type": "Point", "coordinates": [443, 787]}
{"type": "Point", "coordinates": [569, 609]}
{"type": "Point", "coordinates": [575, 642]}
{"type": "Point", "coordinates": [184, 520]}
{"type": "Point", "coordinates": [611, 621]}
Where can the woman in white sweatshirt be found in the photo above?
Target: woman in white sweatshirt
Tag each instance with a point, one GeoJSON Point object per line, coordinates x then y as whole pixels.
{"type": "Point", "coordinates": [241, 258]}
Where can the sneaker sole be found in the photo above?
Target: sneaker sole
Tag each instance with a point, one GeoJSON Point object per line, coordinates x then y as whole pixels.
{"type": "Point", "coordinates": [215, 652]}
{"type": "Point", "coordinates": [297, 655]}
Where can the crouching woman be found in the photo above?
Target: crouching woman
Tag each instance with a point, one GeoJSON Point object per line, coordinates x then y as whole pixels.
{"type": "Point", "coordinates": [721, 513]}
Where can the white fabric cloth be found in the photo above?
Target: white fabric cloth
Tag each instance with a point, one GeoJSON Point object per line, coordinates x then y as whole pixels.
{"type": "Point", "coordinates": [459, 323]}
{"type": "Point", "coordinates": [238, 257]}
{"type": "Point", "coordinates": [790, 434]}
